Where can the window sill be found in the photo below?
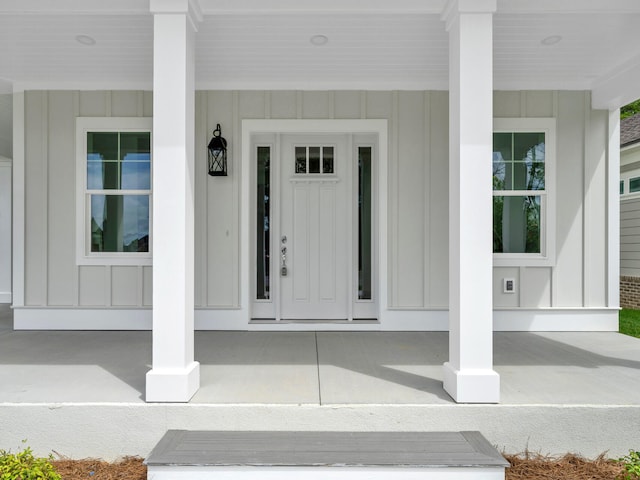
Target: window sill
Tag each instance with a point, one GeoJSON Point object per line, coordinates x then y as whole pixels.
{"type": "Point", "coordinates": [516, 260]}
{"type": "Point", "coordinates": [107, 260]}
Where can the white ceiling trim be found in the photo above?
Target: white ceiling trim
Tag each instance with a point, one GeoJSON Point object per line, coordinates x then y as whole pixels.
{"type": "Point", "coordinates": [79, 7]}
{"type": "Point", "coordinates": [618, 88]}
{"type": "Point", "coordinates": [220, 7]}
{"type": "Point", "coordinates": [568, 6]}
{"type": "Point", "coordinates": [442, 85]}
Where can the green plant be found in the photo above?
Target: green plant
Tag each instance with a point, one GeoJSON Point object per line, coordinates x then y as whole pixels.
{"type": "Point", "coordinates": [25, 466]}
{"type": "Point", "coordinates": [631, 464]}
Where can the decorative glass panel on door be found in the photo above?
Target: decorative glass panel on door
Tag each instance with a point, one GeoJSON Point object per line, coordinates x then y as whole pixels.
{"type": "Point", "coordinates": [263, 213]}
{"type": "Point", "coordinates": [364, 223]}
{"type": "Point", "coordinates": [314, 160]}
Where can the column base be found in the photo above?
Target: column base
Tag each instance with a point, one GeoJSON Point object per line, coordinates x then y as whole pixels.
{"type": "Point", "coordinates": [472, 385]}
{"type": "Point", "coordinates": [173, 384]}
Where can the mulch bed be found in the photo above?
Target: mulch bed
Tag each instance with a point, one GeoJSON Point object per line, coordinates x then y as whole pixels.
{"type": "Point", "coordinates": [525, 466]}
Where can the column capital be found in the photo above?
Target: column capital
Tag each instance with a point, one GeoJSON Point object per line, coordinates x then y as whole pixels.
{"type": "Point", "coordinates": [454, 8]}
{"type": "Point", "coordinates": [190, 8]}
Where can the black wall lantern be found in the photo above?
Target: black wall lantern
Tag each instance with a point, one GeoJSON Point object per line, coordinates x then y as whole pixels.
{"type": "Point", "coordinates": [217, 154]}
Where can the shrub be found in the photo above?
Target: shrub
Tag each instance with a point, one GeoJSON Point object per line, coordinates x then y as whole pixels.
{"type": "Point", "coordinates": [631, 464]}
{"type": "Point", "coordinates": [24, 466]}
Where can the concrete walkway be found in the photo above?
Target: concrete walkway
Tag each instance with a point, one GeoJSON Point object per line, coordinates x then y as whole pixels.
{"type": "Point", "coordinates": [578, 385]}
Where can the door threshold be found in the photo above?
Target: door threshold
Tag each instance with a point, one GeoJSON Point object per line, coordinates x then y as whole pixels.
{"type": "Point", "coordinates": [359, 321]}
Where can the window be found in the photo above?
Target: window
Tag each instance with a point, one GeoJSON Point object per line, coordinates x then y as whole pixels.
{"type": "Point", "coordinates": [314, 160]}
{"type": "Point", "coordinates": [523, 153]}
{"type": "Point", "coordinates": [634, 184]}
{"type": "Point", "coordinates": [114, 190]}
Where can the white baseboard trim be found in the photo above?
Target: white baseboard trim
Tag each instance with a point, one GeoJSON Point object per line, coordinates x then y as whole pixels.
{"type": "Point", "coordinates": [81, 319]}
{"type": "Point", "coordinates": [556, 320]}
{"type": "Point", "coordinates": [517, 320]}
{"type": "Point", "coordinates": [5, 297]}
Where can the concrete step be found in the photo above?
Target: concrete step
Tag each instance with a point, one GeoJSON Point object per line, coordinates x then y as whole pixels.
{"type": "Point", "coordinates": [232, 455]}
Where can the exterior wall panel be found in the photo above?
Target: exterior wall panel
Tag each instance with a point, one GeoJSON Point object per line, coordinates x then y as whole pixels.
{"type": "Point", "coordinates": [222, 206]}
{"type": "Point", "coordinates": [567, 280]}
{"type": "Point", "coordinates": [61, 271]}
{"type": "Point", "coordinates": [595, 205]}
{"type": "Point", "coordinates": [418, 197]}
{"type": "Point", "coordinates": [93, 286]}
{"type": "Point", "coordinates": [36, 166]}
{"type": "Point", "coordinates": [437, 177]}
{"type": "Point", "coordinates": [125, 287]}
{"type": "Point", "coordinates": [347, 104]}
{"type": "Point", "coordinates": [409, 203]}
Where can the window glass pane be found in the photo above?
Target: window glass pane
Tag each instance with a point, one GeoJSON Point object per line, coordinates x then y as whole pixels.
{"type": "Point", "coordinates": [502, 175]}
{"type": "Point", "coordinates": [119, 223]}
{"type": "Point", "coordinates": [364, 223]}
{"type": "Point", "coordinates": [102, 145]}
{"type": "Point", "coordinates": [502, 146]}
{"type": "Point", "coordinates": [314, 159]}
{"type": "Point", "coordinates": [102, 175]}
{"type": "Point", "coordinates": [135, 146]}
{"type": "Point", "coordinates": [528, 146]}
{"type": "Point", "coordinates": [516, 224]}
{"type": "Point", "coordinates": [621, 187]}
{"type": "Point", "coordinates": [136, 175]}
{"type": "Point", "coordinates": [634, 185]}
{"type": "Point", "coordinates": [327, 160]}
{"type": "Point", "coordinates": [263, 213]}
{"type": "Point", "coordinates": [301, 159]}
{"type": "Point", "coordinates": [528, 176]}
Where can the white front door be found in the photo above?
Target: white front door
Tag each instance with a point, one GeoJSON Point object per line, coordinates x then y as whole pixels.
{"type": "Point", "coordinates": [314, 240]}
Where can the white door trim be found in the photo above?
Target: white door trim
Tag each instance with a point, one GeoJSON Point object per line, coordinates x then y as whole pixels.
{"type": "Point", "coordinates": [250, 127]}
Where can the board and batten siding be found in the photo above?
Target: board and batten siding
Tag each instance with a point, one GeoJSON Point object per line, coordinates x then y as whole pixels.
{"type": "Point", "coordinates": [52, 276]}
{"type": "Point", "coordinates": [579, 276]}
{"type": "Point", "coordinates": [417, 182]}
{"type": "Point", "coordinates": [630, 237]}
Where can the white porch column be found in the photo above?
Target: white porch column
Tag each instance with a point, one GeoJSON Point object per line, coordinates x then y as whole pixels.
{"type": "Point", "coordinates": [468, 375]}
{"type": "Point", "coordinates": [175, 376]}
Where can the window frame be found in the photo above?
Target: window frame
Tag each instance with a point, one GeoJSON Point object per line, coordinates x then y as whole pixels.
{"type": "Point", "coordinates": [547, 255]}
{"type": "Point", "coordinates": [84, 255]}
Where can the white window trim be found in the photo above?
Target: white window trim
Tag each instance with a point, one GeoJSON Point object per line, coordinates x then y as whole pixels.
{"type": "Point", "coordinates": [547, 257]}
{"type": "Point", "coordinates": [106, 124]}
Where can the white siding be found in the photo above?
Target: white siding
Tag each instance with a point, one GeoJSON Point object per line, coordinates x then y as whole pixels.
{"type": "Point", "coordinates": [630, 237]}
{"type": "Point", "coordinates": [418, 196]}
{"type": "Point", "coordinates": [578, 279]}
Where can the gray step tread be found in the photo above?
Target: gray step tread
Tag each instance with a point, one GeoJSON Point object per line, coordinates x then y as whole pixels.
{"type": "Point", "coordinates": [343, 449]}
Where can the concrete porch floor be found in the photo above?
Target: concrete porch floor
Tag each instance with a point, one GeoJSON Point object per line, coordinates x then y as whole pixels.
{"type": "Point", "coordinates": [559, 391]}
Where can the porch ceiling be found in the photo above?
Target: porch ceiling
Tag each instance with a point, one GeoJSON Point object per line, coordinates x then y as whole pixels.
{"type": "Point", "coordinates": [258, 45]}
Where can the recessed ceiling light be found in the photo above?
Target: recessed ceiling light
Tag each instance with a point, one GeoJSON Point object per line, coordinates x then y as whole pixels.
{"type": "Point", "coordinates": [319, 40]}
{"type": "Point", "coordinates": [85, 40]}
{"type": "Point", "coordinates": [552, 40]}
